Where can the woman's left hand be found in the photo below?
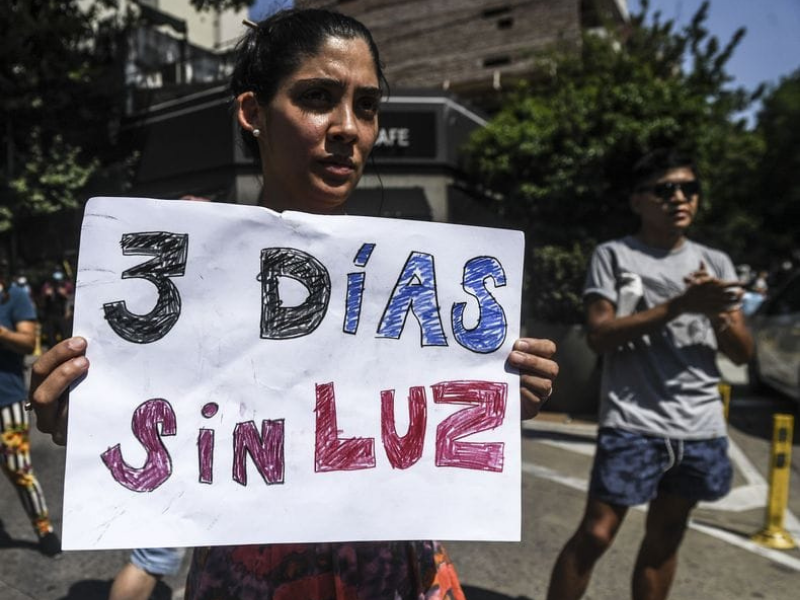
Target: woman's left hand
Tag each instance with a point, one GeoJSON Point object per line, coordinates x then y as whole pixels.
{"type": "Point", "coordinates": [537, 372]}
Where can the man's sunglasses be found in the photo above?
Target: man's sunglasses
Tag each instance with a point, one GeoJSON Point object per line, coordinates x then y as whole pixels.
{"type": "Point", "coordinates": [665, 191]}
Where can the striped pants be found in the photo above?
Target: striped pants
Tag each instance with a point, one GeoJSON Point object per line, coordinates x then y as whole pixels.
{"type": "Point", "coordinates": [16, 462]}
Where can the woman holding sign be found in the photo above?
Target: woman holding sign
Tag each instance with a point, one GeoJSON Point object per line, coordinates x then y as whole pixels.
{"type": "Point", "coordinates": [307, 87]}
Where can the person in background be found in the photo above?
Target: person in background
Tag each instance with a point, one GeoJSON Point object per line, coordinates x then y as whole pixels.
{"type": "Point", "coordinates": [18, 338]}
{"type": "Point", "coordinates": [307, 87]}
{"type": "Point", "coordinates": [147, 566]}
{"type": "Point", "coordinates": [760, 283]}
{"type": "Point", "coordinates": [56, 298]}
{"type": "Point", "coordinates": [21, 281]}
{"type": "Point", "coordinates": [658, 308]}
{"type": "Point", "coordinates": [754, 295]}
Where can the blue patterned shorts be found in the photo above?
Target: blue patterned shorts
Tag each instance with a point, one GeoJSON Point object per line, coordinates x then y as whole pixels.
{"type": "Point", "coordinates": [633, 468]}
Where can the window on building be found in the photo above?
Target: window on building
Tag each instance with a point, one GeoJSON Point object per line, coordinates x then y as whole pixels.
{"type": "Point", "coordinates": [491, 13]}
{"type": "Point", "coordinates": [497, 61]}
{"type": "Point", "coordinates": [505, 23]}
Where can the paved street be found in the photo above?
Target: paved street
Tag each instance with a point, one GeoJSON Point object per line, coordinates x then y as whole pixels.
{"type": "Point", "coordinates": [718, 560]}
{"type": "Point", "coordinates": [717, 563]}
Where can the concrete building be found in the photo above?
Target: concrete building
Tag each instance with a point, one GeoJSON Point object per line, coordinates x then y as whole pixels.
{"type": "Point", "coordinates": [474, 48]}
{"type": "Point", "coordinates": [213, 30]}
{"type": "Point", "coordinates": [174, 50]}
{"type": "Point", "coordinates": [190, 145]}
{"type": "Point", "coordinates": [442, 57]}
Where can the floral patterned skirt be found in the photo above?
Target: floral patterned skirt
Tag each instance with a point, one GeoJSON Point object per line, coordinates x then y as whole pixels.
{"type": "Point", "coordinates": [342, 571]}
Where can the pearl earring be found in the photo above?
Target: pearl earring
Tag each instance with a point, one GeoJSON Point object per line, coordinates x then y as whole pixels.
{"type": "Point", "coordinates": [256, 132]}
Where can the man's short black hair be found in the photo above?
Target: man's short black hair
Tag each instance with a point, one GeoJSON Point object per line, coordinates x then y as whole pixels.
{"type": "Point", "coordinates": [659, 161]}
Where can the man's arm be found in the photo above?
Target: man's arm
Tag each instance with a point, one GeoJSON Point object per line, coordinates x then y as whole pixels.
{"type": "Point", "coordinates": [733, 337]}
{"type": "Point", "coordinates": [606, 331]}
{"type": "Point", "coordinates": [22, 340]}
{"type": "Point", "coordinates": [704, 295]}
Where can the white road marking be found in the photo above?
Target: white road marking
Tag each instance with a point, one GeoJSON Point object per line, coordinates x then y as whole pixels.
{"type": "Point", "coordinates": [544, 473]}
{"type": "Point", "coordinates": [580, 447]}
{"type": "Point", "coordinates": [777, 556]}
{"type": "Point", "coordinates": [746, 497]}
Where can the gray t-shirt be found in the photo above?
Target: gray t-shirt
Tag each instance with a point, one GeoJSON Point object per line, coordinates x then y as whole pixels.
{"type": "Point", "coordinates": [665, 383]}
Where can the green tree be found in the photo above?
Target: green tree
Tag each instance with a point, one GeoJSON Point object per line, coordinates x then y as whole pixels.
{"type": "Point", "coordinates": [60, 86]}
{"type": "Point", "coordinates": [779, 181]}
{"type": "Point", "coordinates": [62, 95]}
{"type": "Point", "coordinates": [556, 157]}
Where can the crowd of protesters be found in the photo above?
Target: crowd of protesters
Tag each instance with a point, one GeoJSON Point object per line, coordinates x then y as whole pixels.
{"type": "Point", "coordinates": [53, 296]}
{"type": "Point", "coordinates": [18, 320]}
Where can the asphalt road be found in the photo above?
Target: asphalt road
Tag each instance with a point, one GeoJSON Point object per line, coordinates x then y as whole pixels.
{"type": "Point", "coordinates": [717, 562]}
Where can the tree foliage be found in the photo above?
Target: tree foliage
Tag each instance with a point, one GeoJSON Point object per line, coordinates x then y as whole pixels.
{"type": "Point", "coordinates": [556, 157]}
{"type": "Point", "coordinates": [60, 85]}
{"type": "Point", "coordinates": [779, 173]}
{"type": "Point", "coordinates": [62, 98]}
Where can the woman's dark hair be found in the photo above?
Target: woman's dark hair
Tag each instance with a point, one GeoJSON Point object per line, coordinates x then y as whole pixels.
{"type": "Point", "coordinates": [277, 46]}
{"type": "Point", "coordinates": [659, 161]}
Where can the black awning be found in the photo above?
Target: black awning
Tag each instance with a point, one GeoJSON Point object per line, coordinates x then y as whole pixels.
{"type": "Point", "coordinates": [401, 203]}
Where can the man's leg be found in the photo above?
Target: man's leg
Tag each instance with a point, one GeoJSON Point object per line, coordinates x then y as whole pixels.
{"type": "Point", "coordinates": [657, 561]}
{"type": "Point", "coordinates": [596, 532]}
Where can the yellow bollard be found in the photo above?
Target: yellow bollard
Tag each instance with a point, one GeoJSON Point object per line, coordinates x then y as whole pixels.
{"type": "Point", "coordinates": [67, 268]}
{"type": "Point", "coordinates": [725, 392]}
{"type": "Point", "coordinates": [774, 535]}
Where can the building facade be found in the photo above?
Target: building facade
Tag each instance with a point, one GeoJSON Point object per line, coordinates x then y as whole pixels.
{"type": "Point", "coordinates": [191, 146]}
{"type": "Point", "coordinates": [473, 48]}
{"type": "Point", "coordinates": [441, 58]}
{"type": "Point", "coordinates": [174, 50]}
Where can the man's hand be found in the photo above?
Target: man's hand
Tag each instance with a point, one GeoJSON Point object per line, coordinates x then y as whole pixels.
{"type": "Point", "coordinates": [708, 295]}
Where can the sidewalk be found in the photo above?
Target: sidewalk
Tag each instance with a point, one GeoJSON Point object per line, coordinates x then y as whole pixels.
{"type": "Point", "coordinates": [717, 559]}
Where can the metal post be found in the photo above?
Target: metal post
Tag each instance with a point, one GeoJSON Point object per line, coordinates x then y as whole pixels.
{"type": "Point", "coordinates": [725, 392]}
{"type": "Point", "coordinates": [774, 535]}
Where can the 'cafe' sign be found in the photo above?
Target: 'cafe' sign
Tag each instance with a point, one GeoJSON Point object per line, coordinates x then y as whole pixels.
{"type": "Point", "coordinates": [406, 134]}
{"type": "Point", "coordinates": [394, 136]}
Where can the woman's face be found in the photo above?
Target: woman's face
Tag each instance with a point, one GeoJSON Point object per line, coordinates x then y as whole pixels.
{"type": "Point", "coordinates": [319, 129]}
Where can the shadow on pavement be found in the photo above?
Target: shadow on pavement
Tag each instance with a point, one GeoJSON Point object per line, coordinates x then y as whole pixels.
{"type": "Point", "coordinates": [476, 593]}
{"type": "Point", "coordinates": [753, 416]}
{"type": "Point", "coordinates": [6, 541]}
{"type": "Point", "coordinates": [90, 589]}
{"type": "Point", "coordinates": [95, 589]}
{"type": "Point", "coordinates": [744, 531]}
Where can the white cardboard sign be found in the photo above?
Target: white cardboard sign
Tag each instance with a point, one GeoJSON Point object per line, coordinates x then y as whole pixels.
{"type": "Point", "coordinates": [263, 378]}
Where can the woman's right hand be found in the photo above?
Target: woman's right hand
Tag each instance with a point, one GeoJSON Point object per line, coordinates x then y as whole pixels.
{"type": "Point", "coordinates": [51, 376]}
